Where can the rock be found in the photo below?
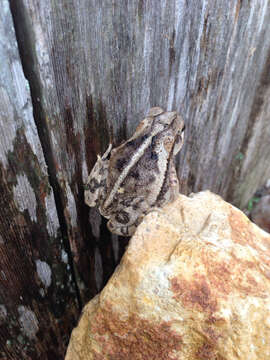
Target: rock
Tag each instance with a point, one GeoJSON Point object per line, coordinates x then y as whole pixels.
{"type": "Point", "coordinates": [261, 213]}
{"type": "Point", "coordinates": [194, 283]}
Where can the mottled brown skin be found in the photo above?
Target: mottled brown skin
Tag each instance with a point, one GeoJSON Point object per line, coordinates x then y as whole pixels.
{"type": "Point", "coordinates": [140, 174]}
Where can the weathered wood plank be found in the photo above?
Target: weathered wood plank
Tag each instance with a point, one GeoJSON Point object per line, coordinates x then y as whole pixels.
{"type": "Point", "coordinates": [68, 122]}
{"type": "Point", "coordinates": [96, 67]}
{"type": "Point", "coordinates": [37, 295]}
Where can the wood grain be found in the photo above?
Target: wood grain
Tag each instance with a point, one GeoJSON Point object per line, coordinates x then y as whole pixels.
{"type": "Point", "coordinates": [94, 68]}
{"type": "Point", "coordinates": [37, 294]}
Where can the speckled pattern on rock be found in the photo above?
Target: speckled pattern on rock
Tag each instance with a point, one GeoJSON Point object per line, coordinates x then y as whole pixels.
{"type": "Point", "coordinates": [194, 283]}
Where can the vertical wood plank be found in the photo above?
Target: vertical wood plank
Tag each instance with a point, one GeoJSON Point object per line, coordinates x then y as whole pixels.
{"type": "Point", "coordinates": [96, 67]}
{"type": "Point", "coordinates": [38, 304]}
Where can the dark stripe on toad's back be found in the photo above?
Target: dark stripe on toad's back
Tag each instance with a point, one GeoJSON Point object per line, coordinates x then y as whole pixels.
{"type": "Point", "coordinates": [166, 184]}
{"type": "Point", "coordinates": [126, 151]}
{"type": "Point", "coordinates": [148, 162]}
{"type": "Point", "coordinates": [140, 176]}
{"type": "Point", "coordinates": [135, 143]}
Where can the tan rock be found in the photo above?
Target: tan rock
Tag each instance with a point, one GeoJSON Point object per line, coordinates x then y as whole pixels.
{"type": "Point", "coordinates": [194, 283]}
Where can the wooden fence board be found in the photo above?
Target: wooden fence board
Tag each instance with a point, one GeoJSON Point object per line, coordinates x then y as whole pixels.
{"type": "Point", "coordinates": [94, 69]}
{"type": "Point", "coordinates": [38, 304]}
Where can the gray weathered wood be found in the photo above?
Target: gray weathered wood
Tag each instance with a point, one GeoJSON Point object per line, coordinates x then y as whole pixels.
{"type": "Point", "coordinates": [37, 295]}
{"type": "Point", "coordinates": [95, 68]}
{"type": "Point", "coordinates": [207, 60]}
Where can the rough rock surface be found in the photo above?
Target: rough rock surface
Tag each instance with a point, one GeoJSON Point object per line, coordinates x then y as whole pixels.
{"type": "Point", "coordinates": [194, 283]}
